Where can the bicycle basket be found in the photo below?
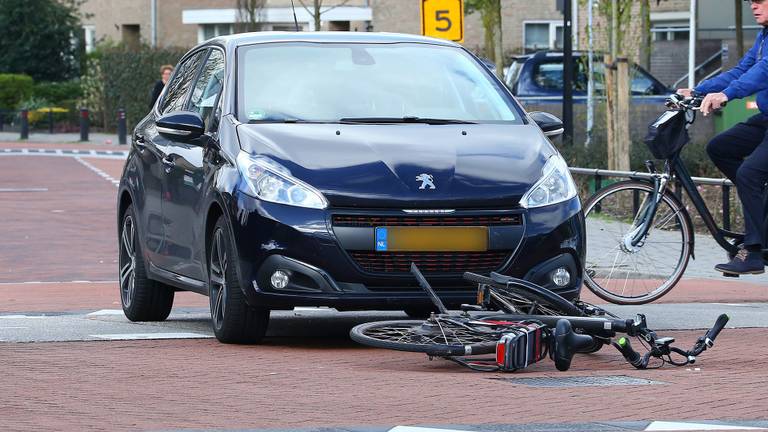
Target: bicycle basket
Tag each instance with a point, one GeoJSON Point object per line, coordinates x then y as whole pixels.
{"type": "Point", "coordinates": [667, 134]}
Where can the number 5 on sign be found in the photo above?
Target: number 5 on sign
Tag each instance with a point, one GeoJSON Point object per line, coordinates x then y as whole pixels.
{"type": "Point", "coordinates": [443, 19]}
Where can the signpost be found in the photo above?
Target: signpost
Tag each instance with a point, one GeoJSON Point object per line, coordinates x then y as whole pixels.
{"type": "Point", "coordinates": [443, 19]}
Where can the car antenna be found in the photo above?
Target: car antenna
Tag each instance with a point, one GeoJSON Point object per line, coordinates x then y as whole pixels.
{"type": "Point", "coordinates": [295, 21]}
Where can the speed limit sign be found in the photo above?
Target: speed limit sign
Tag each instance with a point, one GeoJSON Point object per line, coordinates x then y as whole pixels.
{"type": "Point", "coordinates": [443, 19]}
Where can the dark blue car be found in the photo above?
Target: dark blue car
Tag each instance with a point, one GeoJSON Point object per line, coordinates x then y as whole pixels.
{"type": "Point", "coordinates": [311, 169]}
{"type": "Point", "coordinates": [538, 79]}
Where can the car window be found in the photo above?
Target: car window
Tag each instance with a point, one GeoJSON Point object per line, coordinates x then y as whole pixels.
{"type": "Point", "coordinates": [334, 81]}
{"type": "Point", "coordinates": [642, 84]}
{"type": "Point", "coordinates": [179, 87]}
{"type": "Point", "coordinates": [549, 76]}
{"type": "Point", "coordinates": [208, 86]}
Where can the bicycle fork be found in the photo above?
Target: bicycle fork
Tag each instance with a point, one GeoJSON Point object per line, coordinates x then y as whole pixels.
{"type": "Point", "coordinates": [634, 239]}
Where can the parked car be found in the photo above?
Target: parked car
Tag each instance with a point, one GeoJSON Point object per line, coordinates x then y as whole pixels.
{"type": "Point", "coordinates": [538, 78]}
{"type": "Point", "coordinates": [311, 169]}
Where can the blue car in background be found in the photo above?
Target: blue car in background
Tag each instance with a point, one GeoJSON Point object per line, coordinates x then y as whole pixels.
{"type": "Point", "coordinates": [538, 79]}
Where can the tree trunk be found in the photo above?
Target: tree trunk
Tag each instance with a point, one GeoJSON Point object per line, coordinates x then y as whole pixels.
{"type": "Point", "coordinates": [622, 115]}
{"type": "Point", "coordinates": [498, 51]}
{"type": "Point", "coordinates": [610, 120]}
{"type": "Point", "coordinates": [646, 35]}
{"type": "Point", "coordinates": [318, 24]}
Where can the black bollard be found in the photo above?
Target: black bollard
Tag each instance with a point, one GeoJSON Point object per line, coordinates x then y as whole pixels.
{"type": "Point", "coordinates": [2, 117]}
{"type": "Point", "coordinates": [24, 124]}
{"type": "Point", "coordinates": [50, 121]}
{"type": "Point", "coordinates": [84, 124]}
{"type": "Point", "coordinates": [121, 127]}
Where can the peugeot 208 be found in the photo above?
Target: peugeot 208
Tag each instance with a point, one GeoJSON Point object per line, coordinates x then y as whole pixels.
{"type": "Point", "coordinates": [311, 169]}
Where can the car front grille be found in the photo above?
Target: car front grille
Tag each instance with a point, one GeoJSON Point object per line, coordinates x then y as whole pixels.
{"type": "Point", "coordinates": [381, 221]}
{"type": "Point", "coordinates": [448, 263]}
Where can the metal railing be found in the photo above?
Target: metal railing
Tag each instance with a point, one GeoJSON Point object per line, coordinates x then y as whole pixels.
{"type": "Point", "coordinates": [20, 119]}
{"type": "Point", "coordinates": [725, 185]}
{"type": "Point", "coordinates": [705, 63]}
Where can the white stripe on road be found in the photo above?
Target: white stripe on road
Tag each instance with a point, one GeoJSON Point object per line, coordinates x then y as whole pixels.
{"type": "Point", "coordinates": [98, 154]}
{"type": "Point", "coordinates": [681, 426]}
{"type": "Point", "coordinates": [149, 336]}
{"type": "Point", "coordinates": [421, 429]}
{"type": "Point", "coordinates": [106, 312]}
{"type": "Point", "coordinates": [23, 189]}
{"type": "Point", "coordinates": [99, 172]}
{"type": "Point", "coordinates": [57, 282]}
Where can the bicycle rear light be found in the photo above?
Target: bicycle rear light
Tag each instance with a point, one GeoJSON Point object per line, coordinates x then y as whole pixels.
{"type": "Point", "coordinates": [521, 347]}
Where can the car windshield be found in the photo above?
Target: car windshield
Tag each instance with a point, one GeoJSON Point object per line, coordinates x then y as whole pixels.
{"type": "Point", "coordinates": [338, 82]}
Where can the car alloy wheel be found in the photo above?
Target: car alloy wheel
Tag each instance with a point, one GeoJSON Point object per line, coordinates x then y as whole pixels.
{"type": "Point", "coordinates": [128, 261]}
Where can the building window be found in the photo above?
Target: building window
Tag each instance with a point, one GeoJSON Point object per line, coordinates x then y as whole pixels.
{"type": "Point", "coordinates": [542, 35]}
{"type": "Point", "coordinates": [208, 31]}
{"type": "Point", "coordinates": [89, 36]}
{"type": "Point", "coordinates": [667, 33]}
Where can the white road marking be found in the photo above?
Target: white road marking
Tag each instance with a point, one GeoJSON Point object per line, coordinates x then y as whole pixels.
{"type": "Point", "coordinates": [148, 336]}
{"type": "Point", "coordinates": [98, 171]}
{"type": "Point", "coordinates": [57, 282]}
{"type": "Point", "coordinates": [13, 327]}
{"type": "Point", "coordinates": [421, 429]}
{"type": "Point", "coordinates": [681, 426]}
{"type": "Point", "coordinates": [23, 316]}
{"type": "Point", "coordinates": [98, 154]}
{"type": "Point", "coordinates": [23, 189]}
{"type": "Point", "coordinates": [106, 312]}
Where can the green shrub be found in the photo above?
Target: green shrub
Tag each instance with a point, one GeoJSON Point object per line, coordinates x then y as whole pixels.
{"type": "Point", "coordinates": [14, 88]}
{"type": "Point", "coordinates": [58, 92]}
{"type": "Point", "coordinates": [128, 76]}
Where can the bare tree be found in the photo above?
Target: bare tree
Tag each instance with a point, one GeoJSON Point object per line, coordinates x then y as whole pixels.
{"type": "Point", "coordinates": [490, 15]}
{"type": "Point", "coordinates": [249, 15]}
{"type": "Point", "coordinates": [316, 10]}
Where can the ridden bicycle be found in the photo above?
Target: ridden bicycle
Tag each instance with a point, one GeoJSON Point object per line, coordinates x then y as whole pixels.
{"type": "Point", "coordinates": [535, 323]}
{"type": "Point", "coordinates": [639, 234]}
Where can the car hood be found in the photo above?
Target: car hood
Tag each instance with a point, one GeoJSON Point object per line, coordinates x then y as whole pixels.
{"type": "Point", "coordinates": [471, 166]}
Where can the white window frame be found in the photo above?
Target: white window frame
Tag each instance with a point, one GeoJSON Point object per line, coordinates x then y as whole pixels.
{"type": "Point", "coordinates": [201, 33]}
{"type": "Point", "coordinates": [553, 26]}
{"type": "Point", "coordinates": [89, 34]}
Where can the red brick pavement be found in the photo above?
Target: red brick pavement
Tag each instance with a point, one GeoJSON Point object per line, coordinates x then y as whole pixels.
{"type": "Point", "coordinates": [303, 383]}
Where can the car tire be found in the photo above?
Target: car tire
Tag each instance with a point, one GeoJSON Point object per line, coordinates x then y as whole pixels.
{"type": "Point", "coordinates": [232, 318]}
{"type": "Point", "coordinates": [142, 298]}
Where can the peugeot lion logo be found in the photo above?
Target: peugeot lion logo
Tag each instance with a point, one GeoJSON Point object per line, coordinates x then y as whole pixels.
{"type": "Point", "coordinates": [427, 181]}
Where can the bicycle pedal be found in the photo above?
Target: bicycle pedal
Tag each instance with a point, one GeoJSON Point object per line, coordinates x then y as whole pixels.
{"type": "Point", "coordinates": [730, 275]}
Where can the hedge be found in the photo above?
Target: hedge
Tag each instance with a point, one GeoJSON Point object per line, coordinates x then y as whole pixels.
{"type": "Point", "coordinates": [14, 88]}
{"type": "Point", "coordinates": [58, 92]}
{"type": "Point", "coordinates": [128, 76]}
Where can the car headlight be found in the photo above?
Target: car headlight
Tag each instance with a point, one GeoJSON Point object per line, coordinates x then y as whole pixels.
{"type": "Point", "coordinates": [556, 185]}
{"type": "Point", "coordinates": [270, 181]}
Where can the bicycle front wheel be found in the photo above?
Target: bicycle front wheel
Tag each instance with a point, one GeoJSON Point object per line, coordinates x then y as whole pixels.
{"type": "Point", "coordinates": [440, 338]}
{"type": "Point", "coordinates": [623, 273]}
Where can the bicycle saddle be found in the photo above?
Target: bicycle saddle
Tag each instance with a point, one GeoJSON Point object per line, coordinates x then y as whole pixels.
{"type": "Point", "coordinates": [566, 343]}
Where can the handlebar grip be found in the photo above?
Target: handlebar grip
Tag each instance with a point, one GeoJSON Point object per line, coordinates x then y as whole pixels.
{"type": "Point", "coordinates": [709, 338]}
{"type": "Point", "coordinates": [632, 356]}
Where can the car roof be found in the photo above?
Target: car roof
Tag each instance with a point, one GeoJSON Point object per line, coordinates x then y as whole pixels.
{"type": "Point", "coordinates": [239, 39]}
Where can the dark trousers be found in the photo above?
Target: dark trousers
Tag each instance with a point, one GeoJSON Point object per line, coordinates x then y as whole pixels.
{"type": "Point", "coordinates": [741, 153]}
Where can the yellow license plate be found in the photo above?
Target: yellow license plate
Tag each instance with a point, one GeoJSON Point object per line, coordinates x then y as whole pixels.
{"type": "Point", "coordinates": [431, 239]}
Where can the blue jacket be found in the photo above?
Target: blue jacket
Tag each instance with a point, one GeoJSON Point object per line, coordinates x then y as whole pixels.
{"type": "Point", "coordinates": [749, 77]}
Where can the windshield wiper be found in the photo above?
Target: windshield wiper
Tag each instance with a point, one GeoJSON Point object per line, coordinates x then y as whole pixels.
{"type": "Point", "coordinates": [407, 119]}
{"type": "Point", "coordinates": [287, 120]}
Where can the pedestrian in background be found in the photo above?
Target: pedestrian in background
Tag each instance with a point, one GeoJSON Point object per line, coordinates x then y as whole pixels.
{"type": "Point", "coordinates": [165, 74]}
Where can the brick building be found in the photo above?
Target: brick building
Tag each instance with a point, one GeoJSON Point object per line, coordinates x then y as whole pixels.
{"type": "Point", "coordinates": [528, 25]}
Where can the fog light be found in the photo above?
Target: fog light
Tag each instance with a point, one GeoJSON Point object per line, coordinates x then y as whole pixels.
{"type": "Point", "coordinates": [279, 279]}
{"type": "Point", "coordinates": [561, 277]}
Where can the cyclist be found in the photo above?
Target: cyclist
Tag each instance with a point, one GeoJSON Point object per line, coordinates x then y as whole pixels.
{"type": "Point", "coordinates": [741, 152]}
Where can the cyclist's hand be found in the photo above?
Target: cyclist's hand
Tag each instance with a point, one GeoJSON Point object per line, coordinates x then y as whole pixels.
{"type": "Point", "coordinates": [712, 102]}
{"type": "Point", "coordinates": [685, 92]}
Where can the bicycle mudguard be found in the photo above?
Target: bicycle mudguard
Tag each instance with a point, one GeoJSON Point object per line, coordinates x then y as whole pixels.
{"type": "Point", "coordinates": [521, 347]}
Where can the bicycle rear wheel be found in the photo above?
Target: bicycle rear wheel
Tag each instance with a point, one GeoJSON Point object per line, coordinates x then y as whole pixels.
{"type": "Point", "coordinates": [527, 298]}
{"type": "Point", "coordinates": [440, 338]}
{"type": "Point", "coordinates": [616, 270]}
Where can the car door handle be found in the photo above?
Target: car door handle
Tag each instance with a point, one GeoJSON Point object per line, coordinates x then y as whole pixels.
{"type": "Point", "coordinates": [169, 163]}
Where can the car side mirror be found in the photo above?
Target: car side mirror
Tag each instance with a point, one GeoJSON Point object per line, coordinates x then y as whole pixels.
{"type": "Point", "coordinates": [180, 125]}
{"type": "Point", "coordinates": [548, 123]}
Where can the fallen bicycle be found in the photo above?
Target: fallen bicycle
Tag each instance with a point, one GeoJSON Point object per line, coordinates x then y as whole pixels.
{"type": "Point", "coordinates": [535, 323]}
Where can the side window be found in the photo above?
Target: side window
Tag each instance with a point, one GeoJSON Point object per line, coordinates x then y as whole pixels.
{"type": "Point", "coordinates": [179, 87]}
{"type": "Point", "coordinates": [642, 84]}
{"type": "Point", "coordinates": [208, 86]}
